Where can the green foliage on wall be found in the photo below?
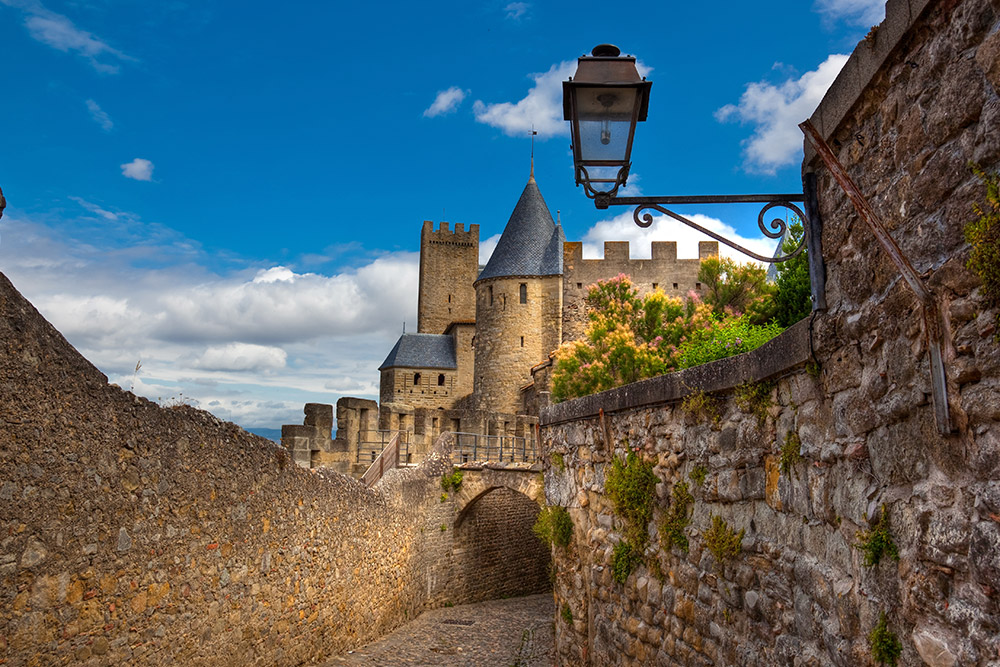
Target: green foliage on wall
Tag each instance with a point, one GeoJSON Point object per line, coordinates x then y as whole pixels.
{"type": "Point", "coordinates": [676, 518]}
{"type": "Point", "coordinates": [725, 339]}
{"type": "Point", "coordinates": [558, 461]}
{"type": "Point", "coordinates": [791, 453]}
{"type": "Point", "coordinates": [631, 486]}
{"type": "Point", "coordinates": [625, 557]}
{"type": "Point", "coordinates": [885, 645]}
{"type": "Point", "coordinates": [451, 481]}
{"type": "Point", "coordinates": [755, 398]}
{"type": "Point", "coordinates": [554, 526]}
{"type": "Point", "coordinates": [567, 614]}
{"type": "Point", "coordinates": [983, 234]}
{"type": "Point", "coordinates": [702, 406]}
{"type": "Point", "coordinates": [697, 475]}
{"type": "Point", "coordinates": [722, 541]}
{"type": "Point", "coordinates": [877, 541]}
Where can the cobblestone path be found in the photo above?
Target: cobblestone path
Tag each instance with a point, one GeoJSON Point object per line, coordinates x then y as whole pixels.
{"type": "Point", "coordinates": [499, 633]}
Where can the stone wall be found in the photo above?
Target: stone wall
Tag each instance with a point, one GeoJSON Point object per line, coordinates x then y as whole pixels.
{"type": "Point", "coordinates": [917, 101]}
{"type": "Point", "coordinates": [136, 534]}
{"type": "Point", "coordinates": [419, 387]}
{"type": "Point", "coordinates": [676, 277]}
{"type": "Point", "coordinates": [449, 265]}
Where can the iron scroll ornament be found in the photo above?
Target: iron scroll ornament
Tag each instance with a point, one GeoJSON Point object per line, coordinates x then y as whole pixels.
{"type": "Point", "coordinates": [778, 228]}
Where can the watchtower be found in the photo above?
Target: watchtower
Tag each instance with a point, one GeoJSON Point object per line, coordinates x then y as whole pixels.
{"type": "Point", "coordinates": [449, 264]}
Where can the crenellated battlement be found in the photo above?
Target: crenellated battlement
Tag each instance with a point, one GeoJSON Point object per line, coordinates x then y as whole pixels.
{"type": "Point", "coordinates": [663, 271]}
{"type": "Point", "coordinates": [445, 235]}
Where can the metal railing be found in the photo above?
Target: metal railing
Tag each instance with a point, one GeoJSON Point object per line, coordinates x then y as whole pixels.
{"type": "Point", "coordinates": [387, 459]}
{"type": "Point", "coordinates": [471, 447]}
{"type": "Point", "coordinates": [371, 443]}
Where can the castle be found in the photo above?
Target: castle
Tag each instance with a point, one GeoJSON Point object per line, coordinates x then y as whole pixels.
{"type": "Point", "coordinates": [480, 361]}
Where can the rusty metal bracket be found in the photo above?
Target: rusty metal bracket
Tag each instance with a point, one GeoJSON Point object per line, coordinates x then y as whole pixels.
{"type": "Point", "coordinates": [934, 325]}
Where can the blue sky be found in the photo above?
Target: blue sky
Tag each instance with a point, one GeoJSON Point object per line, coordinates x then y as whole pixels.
{"type": "Point", "coordinates": [230, 194]}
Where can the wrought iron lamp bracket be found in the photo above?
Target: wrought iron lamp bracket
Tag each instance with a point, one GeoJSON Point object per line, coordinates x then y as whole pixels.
{"type": "Point", "coordinates": [775, 229]}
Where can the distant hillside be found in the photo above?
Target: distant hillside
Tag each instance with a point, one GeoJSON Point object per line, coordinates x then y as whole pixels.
{"type": "Point", "coordinates": [269, 433]}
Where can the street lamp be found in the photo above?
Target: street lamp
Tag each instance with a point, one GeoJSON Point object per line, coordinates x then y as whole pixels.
{"type": "Point", "coordinates": [603, 102]}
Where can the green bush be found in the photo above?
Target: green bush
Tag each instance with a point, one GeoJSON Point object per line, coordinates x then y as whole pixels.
{"type": "Point", "coordinates": [722, 541]}
{"type": "Point", "coordinates": [877, 541]}
{"type": "Point", "coordinates": [885, 645]}
{"type": "Point", "coordinates": [567, 614]}
{"type": "Point", "coordinates": [676, 518]}
{"type": "Point", "coordinates": [631, 486]}
{"type": "Point", "coordinates": [730, 338]}
{"type": "Point", "coordinates": [624, 559]}
{"type": "Point", "coordinates": [755, 398]}
{"type": "Point", "coordinates": [558, 461]}
{"type": "Point", "coordinates": [793, 296]}
{"type": "Point", "coordinates": [983, 234]}
{"type": "Point", "coordinates": [791, 453]}
{"type": "Point", "coordinates": [452, 481]}
{"type": "Point", "coordinates": [554, 526]}
{"type": "Point", "coordinates": [697, 474]}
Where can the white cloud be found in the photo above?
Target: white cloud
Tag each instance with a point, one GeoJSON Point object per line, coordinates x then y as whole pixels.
{"type": "Point", "coordinates": [138, 169]}
{"type": "Point", "coordinates": [487, 247]}
{"type": "Point", "coordinates": [541, 107]}
{"type": "Point", "coordinates": [60, 33]}
{"type": "Point", "coordinates": [242, 357]}
{"type": "Point", "coordinates": [776, 111]}
{"type": "Point", "coordinates": [100, 116]}
{"type": "Point", "coordinates": [260, 341]}
{"type": "Point", "coordinates": [445, 102]}
{"type": "Point", "coordinates": [94, 208]}
{"type": "Point", "coordinates": [516, 10]}
{"type": "Point", "coordinates": [858, 12]}
{"type": "Point", "coordinates": [622, 227]}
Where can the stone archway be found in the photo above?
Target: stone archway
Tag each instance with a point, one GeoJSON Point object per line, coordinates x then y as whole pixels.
{"type": "Point", "coordinates": [495, 552]}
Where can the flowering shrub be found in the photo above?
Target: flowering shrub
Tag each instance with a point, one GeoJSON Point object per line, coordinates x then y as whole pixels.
{"type": "Point", "coordinates": [630, 338]}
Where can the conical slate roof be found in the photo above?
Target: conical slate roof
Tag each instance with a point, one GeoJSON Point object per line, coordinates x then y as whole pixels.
{"type": "Point", "coordinates": [531, 244]}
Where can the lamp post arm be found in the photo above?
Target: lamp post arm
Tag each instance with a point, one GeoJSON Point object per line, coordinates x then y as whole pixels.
{"type": "Point", "coordinates": [775, 229]}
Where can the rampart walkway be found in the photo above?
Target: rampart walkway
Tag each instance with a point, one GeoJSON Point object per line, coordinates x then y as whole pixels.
{"type": "Point", "coordinates": [496, 633]}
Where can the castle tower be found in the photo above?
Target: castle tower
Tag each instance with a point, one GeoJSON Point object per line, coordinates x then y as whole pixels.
{"type": "Point", "coordinates": [518, 304]}
{"type": "Point", "coordinates": [449, 263]}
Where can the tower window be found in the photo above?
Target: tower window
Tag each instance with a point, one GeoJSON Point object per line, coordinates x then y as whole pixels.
{"type": "Point", "coordinates": [441, 380]}
{"type": "Point", "coordinates": [522, 341]}
{"type": "Point", "coordinates": [697, 285]}
{"type": "Point", "coordinates": [449, 298]}
{"type": "Point", "coordinates": [491, 295]}
{"type": "Point", "coordinates": [579, 285]}
{"type": "Point", "coordinates": [524, 292]}
{"type": "Point", "coordinates": [675, 285]}
{"type": "Point", "coordinates": [416, 378]}
{"type": "Point", "coordinates": [656, 285]}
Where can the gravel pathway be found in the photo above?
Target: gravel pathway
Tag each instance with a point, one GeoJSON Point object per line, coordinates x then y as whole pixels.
{"type": "Point", "coordinates": [499, 633]}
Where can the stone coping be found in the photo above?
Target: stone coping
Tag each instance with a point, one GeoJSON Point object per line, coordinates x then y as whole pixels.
{"type": "Point", "coordinates": [861, 67]}
{"type": "Point", "coordinates": [788, 349]}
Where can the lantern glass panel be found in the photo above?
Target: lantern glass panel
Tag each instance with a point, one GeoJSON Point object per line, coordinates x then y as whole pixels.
{"type": "Point", "coordinates": [603, 140]}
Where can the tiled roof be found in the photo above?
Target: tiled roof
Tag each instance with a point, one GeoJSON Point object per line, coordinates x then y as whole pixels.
{"type": "Point", "coordinates": [418, 350]}
{"type": "Point", "coordinates": [527, 245]}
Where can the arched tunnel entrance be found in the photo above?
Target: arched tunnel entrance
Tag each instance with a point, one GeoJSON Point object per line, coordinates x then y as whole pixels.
{"type": "Point", "coordinates": [495, 548]}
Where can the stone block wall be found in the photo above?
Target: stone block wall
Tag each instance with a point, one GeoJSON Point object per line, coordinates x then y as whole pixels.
{"type": "Point", "coordinates": [676, 277]}
{"type": "Point", "coordinates": [136, 534]}
{"type": "Point", "coordinates": [917, 101]}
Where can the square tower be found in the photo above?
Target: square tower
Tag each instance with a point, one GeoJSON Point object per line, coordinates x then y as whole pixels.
{"type": "Point", "coordinates": [449, 265]}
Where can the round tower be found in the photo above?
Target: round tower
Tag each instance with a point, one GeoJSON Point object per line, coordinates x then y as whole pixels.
{"type": "Point", "coordinates": [518, 304]}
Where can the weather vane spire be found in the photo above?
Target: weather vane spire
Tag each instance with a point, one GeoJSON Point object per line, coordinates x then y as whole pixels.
{"type": "Point", "coordinates": [531, 176]}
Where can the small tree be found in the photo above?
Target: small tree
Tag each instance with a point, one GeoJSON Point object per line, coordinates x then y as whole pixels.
{"type": "Point", "coordinates": [793, 300]}
{"type": "Point", "coordinates": [731, 286]}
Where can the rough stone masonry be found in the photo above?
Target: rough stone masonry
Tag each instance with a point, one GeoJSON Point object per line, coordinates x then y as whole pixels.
{"type": "Point", "coordinates": [805, 467]}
